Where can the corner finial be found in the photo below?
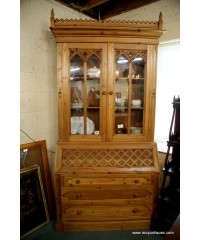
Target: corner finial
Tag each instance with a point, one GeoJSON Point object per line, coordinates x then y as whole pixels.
{"type": "Point", "coordinates": [160, 23]}
{"type": "Point", "coordinates": [52, 18]}
{"type": "Point", "coordinates": [52, 13]}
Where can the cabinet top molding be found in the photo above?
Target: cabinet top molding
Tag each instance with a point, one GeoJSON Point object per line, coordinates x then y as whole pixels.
{"type": "Point", "coordinates": [90, 27]}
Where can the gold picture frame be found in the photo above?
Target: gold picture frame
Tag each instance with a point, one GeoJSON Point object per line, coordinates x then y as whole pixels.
{"type": "Point", "coordinates": [35, 153]}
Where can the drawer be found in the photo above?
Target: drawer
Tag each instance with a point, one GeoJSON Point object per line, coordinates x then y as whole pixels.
{"type": "Point", "coordinates": [134, 180]}
{"type": "Point", "coordinates": [106, 213]}
{"type": "Point", "coordinates": [106, 225]}
{"type": "Point", "coordinates": [93, 193]}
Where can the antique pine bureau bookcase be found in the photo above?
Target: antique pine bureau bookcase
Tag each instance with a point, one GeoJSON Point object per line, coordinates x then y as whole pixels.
{"type": "Point", "coordinates": [107, 168]}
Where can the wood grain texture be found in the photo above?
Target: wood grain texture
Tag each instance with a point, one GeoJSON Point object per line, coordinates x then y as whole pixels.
{"type": "Point", "coordinates": [105, 225]}
{"type": "Point", "coordinates": [107, 181]}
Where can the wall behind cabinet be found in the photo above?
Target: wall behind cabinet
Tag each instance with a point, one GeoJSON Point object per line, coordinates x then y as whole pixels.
{"type": "Point", "coordinates": [38, 97]}
{"type": "Point", "coordinates": [171, 17]}
{"type": "Point", "coordinates": [38, 87]}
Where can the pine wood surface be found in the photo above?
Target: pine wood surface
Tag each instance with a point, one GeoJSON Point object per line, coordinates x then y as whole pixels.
{"type": "Point", "coordinates": [103, 225]}
{"type": "Point", "coordinates": [107, 181]}
{"type": "Point", "coordinates": [88, 199]}
{"type": "Point", "coordinates": [107, 104]}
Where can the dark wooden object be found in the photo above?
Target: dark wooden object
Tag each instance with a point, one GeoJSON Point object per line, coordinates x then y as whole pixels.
{"type": "Point", "coordinates": [168, 207]}
{"type": "Point", "coordinates": [172, 166]}
{"type": "Point", "coordinates": [35, 153]}
{"type": "Point", "coordinates": [176, 229]}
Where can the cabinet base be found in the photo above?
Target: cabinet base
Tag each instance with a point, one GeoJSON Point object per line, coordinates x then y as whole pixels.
{"type": "Point", "coordinates": [59, 227]}
{"type": "Point", "coordinates": [102, 226]}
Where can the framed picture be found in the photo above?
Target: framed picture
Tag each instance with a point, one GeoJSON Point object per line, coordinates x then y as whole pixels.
{"type": "Point", "coordinates": [35, 153]}
{"type": "Point", "coordinates": [33, 207]}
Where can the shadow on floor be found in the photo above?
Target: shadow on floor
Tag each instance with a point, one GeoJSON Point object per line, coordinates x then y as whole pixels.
{"type": "Point", "coordinates": [48, 232]}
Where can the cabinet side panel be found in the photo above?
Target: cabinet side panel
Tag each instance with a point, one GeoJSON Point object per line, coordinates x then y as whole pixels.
{"type": "Point", "coordinates": [58, 197]}
{"type": "Point", "coordinates": [66, 101]}
{"type": "Point", "coordinates": [60, 90]}
{"type": "Point", "coordinates": [152, 60]}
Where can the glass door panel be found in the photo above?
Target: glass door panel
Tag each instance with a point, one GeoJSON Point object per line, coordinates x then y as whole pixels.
{"type": "Point", "coordinates": [129, 91]}
{"type": "Point", "coordinates": [77, 94]}
{"type": "Point", "coordinates": [93, 93]}
{"type": "Point", "coordinates": [137, 95]}
{"type": "Point", "coordinates": [85, 75]}
{"type": "Point", "coordinates": [121, 95]}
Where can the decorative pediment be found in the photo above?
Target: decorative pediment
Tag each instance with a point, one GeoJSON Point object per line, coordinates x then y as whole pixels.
{"type": "Point", "coordinates": [89, 27]}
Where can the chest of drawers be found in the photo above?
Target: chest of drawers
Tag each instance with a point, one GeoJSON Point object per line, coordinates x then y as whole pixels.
{"type": "Point", "coordinates": [105, 198]}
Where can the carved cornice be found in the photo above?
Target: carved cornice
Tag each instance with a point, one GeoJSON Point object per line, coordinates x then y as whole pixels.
{"type": "Point", "coordinates": [117, 22]}
{"type": "Point", "coordinates": [86, 27]}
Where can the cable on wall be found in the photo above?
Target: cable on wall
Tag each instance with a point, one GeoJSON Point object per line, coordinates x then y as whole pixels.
{"type": "Point", "coordinates": [36, 142]}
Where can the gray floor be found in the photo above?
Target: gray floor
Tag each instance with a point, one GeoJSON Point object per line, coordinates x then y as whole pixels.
{"type": "Point", "coordinates": [48, 232]}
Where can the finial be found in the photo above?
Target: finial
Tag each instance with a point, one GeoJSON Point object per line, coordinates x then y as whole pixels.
{"type": "Point", "coordinates": [160, 23]}
{"type": "Point", "coordinates": [52, 13]}
{"type": "Point", "coordinates": [52, 18]}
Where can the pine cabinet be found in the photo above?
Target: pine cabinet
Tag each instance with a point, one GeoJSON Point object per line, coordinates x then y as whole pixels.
{"type": "Point", "coordinates": [106, 165]}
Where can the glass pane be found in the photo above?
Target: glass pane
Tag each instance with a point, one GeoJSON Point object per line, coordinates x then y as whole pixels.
{"type": "Point", "coordinates": [136, 121]}
{"type": "Point", "coordinates": [137, 95]}
{"type": "Point", "coordinates": [77, 104]}
{"type": "Point", "coordinates": [93, 95]}
{"type": "Point", "coordinates": [121, 95]}
{"type": "Point", "coordinates": [122, 67]}
{"type": "Point", "coordinates": [138, 68]}
{"type": "Point", "coordinates": [76, 68]}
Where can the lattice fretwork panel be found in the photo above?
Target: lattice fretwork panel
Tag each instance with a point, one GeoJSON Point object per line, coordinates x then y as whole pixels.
{"type": "Point", "coordinates": [85, 54]}
{"type": "Point", "coordinates": [120, 158]}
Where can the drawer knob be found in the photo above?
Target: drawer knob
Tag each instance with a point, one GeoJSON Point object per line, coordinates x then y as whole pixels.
{"type": "Point", "coordinates": [135, 210]}
{"type": "Point", "coordinates": [137, 181]}
{"type": "Point", "coordinates": [78, 181]}
{"type": "Point", "coordinates": [78, 196]}
{"type": "Point", "coordinates": [135, 195]}
{"type": "Point", "coordinates": [79, 212]}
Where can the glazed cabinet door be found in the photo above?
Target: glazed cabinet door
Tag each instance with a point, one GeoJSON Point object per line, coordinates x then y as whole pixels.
{"type": "Point", "coordinates": [82, 71]}
{"type": "Point", "coordinates": [131, 109]}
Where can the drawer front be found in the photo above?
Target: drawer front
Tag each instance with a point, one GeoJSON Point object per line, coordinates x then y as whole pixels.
{"type": "Point", "coordinates": [135, 180]}
{"type": "Point", "coordinates": [93, 193]}
{"type": "Point", "coordinates": [104, 213]}
{"type": "Point", "coordinates": [106, 225]}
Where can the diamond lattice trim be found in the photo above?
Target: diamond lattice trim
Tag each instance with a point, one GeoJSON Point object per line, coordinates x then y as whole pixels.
{"type": "Point", "coordinates": [121, 158]}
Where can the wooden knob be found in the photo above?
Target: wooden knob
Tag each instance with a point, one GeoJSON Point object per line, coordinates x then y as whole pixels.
{"type": "Point", "coordinates": [135, 195]}
{"type": "Point", "coordinates": [104, 92]}
{"type": "Point", "coordinates": [78, 196]}
{"type": "Point", "coordinates": [79, 212]}
{"type": "Point", "coordinates": [111, 93]}
{"type": "Point", "coordinates": [135, 210]}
